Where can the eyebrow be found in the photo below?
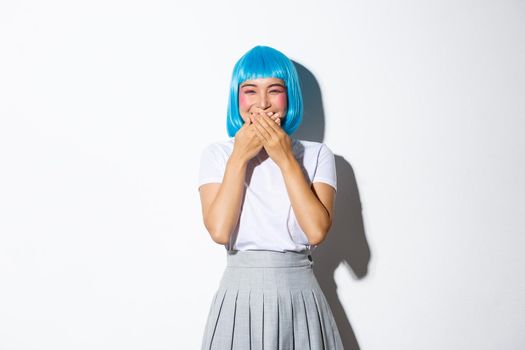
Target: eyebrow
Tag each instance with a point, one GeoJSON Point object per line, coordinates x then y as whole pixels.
{"type": "Point", "coordinates": [271, 85]}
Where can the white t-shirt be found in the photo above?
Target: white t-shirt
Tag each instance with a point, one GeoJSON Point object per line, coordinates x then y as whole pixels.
{"type": "Point", "coordinates": [267, 220]}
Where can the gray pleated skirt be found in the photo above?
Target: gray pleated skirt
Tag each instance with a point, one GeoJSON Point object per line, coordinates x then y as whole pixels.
{"type": "Point", "coordinates": [270, 300]}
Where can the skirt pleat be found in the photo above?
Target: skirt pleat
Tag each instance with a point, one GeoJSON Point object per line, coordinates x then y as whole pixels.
{"type": "Point", "coordinates": [284, 302]}
{"type": "Point", "coordinates": [241, 325]}
{"type": "Point", "coordinates": [270, 300]}
{"type": "Point", "coordinates": [257, 320]}
{"type": "Point", "coordinates": [300, 324]}
{"type": "Point", "coordinates": [213, 317]}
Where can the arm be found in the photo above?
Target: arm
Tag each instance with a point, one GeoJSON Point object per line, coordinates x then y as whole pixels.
{"type": "Point", "coordinates": [313, 207]}
{"type": "Point", "coordinates": [221, 202]}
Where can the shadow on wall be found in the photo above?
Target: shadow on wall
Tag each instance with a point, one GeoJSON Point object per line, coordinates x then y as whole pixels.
{"type": "Point", "coordinates": [346, 243]}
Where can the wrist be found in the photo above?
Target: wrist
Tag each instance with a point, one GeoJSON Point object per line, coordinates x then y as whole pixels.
{"type": "Point", "coordinates": [288, 163]}
{"type": "Point", "coordinates": [237, 159]}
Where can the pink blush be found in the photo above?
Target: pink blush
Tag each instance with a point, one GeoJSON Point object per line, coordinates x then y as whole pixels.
{"type": "Point", "coordinates": [243, 103]}
{"type": "Point", "coordinates": [280, 101]}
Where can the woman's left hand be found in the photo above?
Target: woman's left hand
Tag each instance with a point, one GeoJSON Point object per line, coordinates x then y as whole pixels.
{"type": "Point", "coordinates": [276, 142]}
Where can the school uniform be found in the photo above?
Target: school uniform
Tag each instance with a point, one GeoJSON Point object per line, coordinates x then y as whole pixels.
{"type": "Point", "coordinates": [268, 296]}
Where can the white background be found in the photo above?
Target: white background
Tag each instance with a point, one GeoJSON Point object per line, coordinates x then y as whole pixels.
{"type": "Point", "coordinates": [105, 107]}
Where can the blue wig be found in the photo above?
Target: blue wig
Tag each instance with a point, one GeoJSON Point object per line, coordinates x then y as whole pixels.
{"type": "Point", "coordinates": [265, 62]}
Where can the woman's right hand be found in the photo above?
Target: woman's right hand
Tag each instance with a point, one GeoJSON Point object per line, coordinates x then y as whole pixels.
{"type": "Point", "coordinates": [247, 144]}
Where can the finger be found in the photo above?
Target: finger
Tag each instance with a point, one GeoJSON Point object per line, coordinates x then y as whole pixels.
{"type": "Point", "coordinates": [263, 122]}
{"type": "Point", "coordinates": [253, 120]}
{"type": "Point", "coordinates": [253, 128]}
{"type": "Point", "coordinates": [260, 137]}
{"type": "Point", "coordinates": [277, 125]}
{"type": "Point", "coordinates": [260, 110]}
{"type": "Point", "coordinates": [271, 128]}
{"type": "Point", "coordinates": [257, 110]}
{"type": "Point", "coordinates": [276, 118]}
{"type": "Point", "coordinates": [260, 120]}
{"type": "Point", "coordinates": [262, 130]}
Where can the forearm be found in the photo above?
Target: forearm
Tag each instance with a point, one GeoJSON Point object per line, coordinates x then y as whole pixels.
{"type": "Point", "coordinates": [312, 216]}
{"type": "Point", "coordinates": [225, 209]}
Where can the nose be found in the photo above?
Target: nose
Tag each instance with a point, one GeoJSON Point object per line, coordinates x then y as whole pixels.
{"type": "Point", "coordinates": [264, 102]}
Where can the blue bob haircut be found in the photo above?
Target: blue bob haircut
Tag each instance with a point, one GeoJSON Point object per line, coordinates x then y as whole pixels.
{"type": "Point", "coordinates": [265, 62]}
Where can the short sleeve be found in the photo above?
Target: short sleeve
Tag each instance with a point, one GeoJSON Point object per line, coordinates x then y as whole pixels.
{"type": "Point", "coordinates": [212, 166]}
{"type": "Point", "coordinates": [325, 171]}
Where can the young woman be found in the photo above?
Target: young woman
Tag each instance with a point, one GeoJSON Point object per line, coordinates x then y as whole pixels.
{"type": "Point", "coordinates": [269, 199]}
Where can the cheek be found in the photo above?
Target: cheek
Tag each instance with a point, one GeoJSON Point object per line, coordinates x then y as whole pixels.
{"type": "Point", "coordinates": [244, 104]}
{"type": "Point", "coordinates": [281, 101]}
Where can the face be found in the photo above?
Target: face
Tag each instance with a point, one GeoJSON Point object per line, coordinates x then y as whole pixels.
{"type": "Point", "coordinates": [263, 94]}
